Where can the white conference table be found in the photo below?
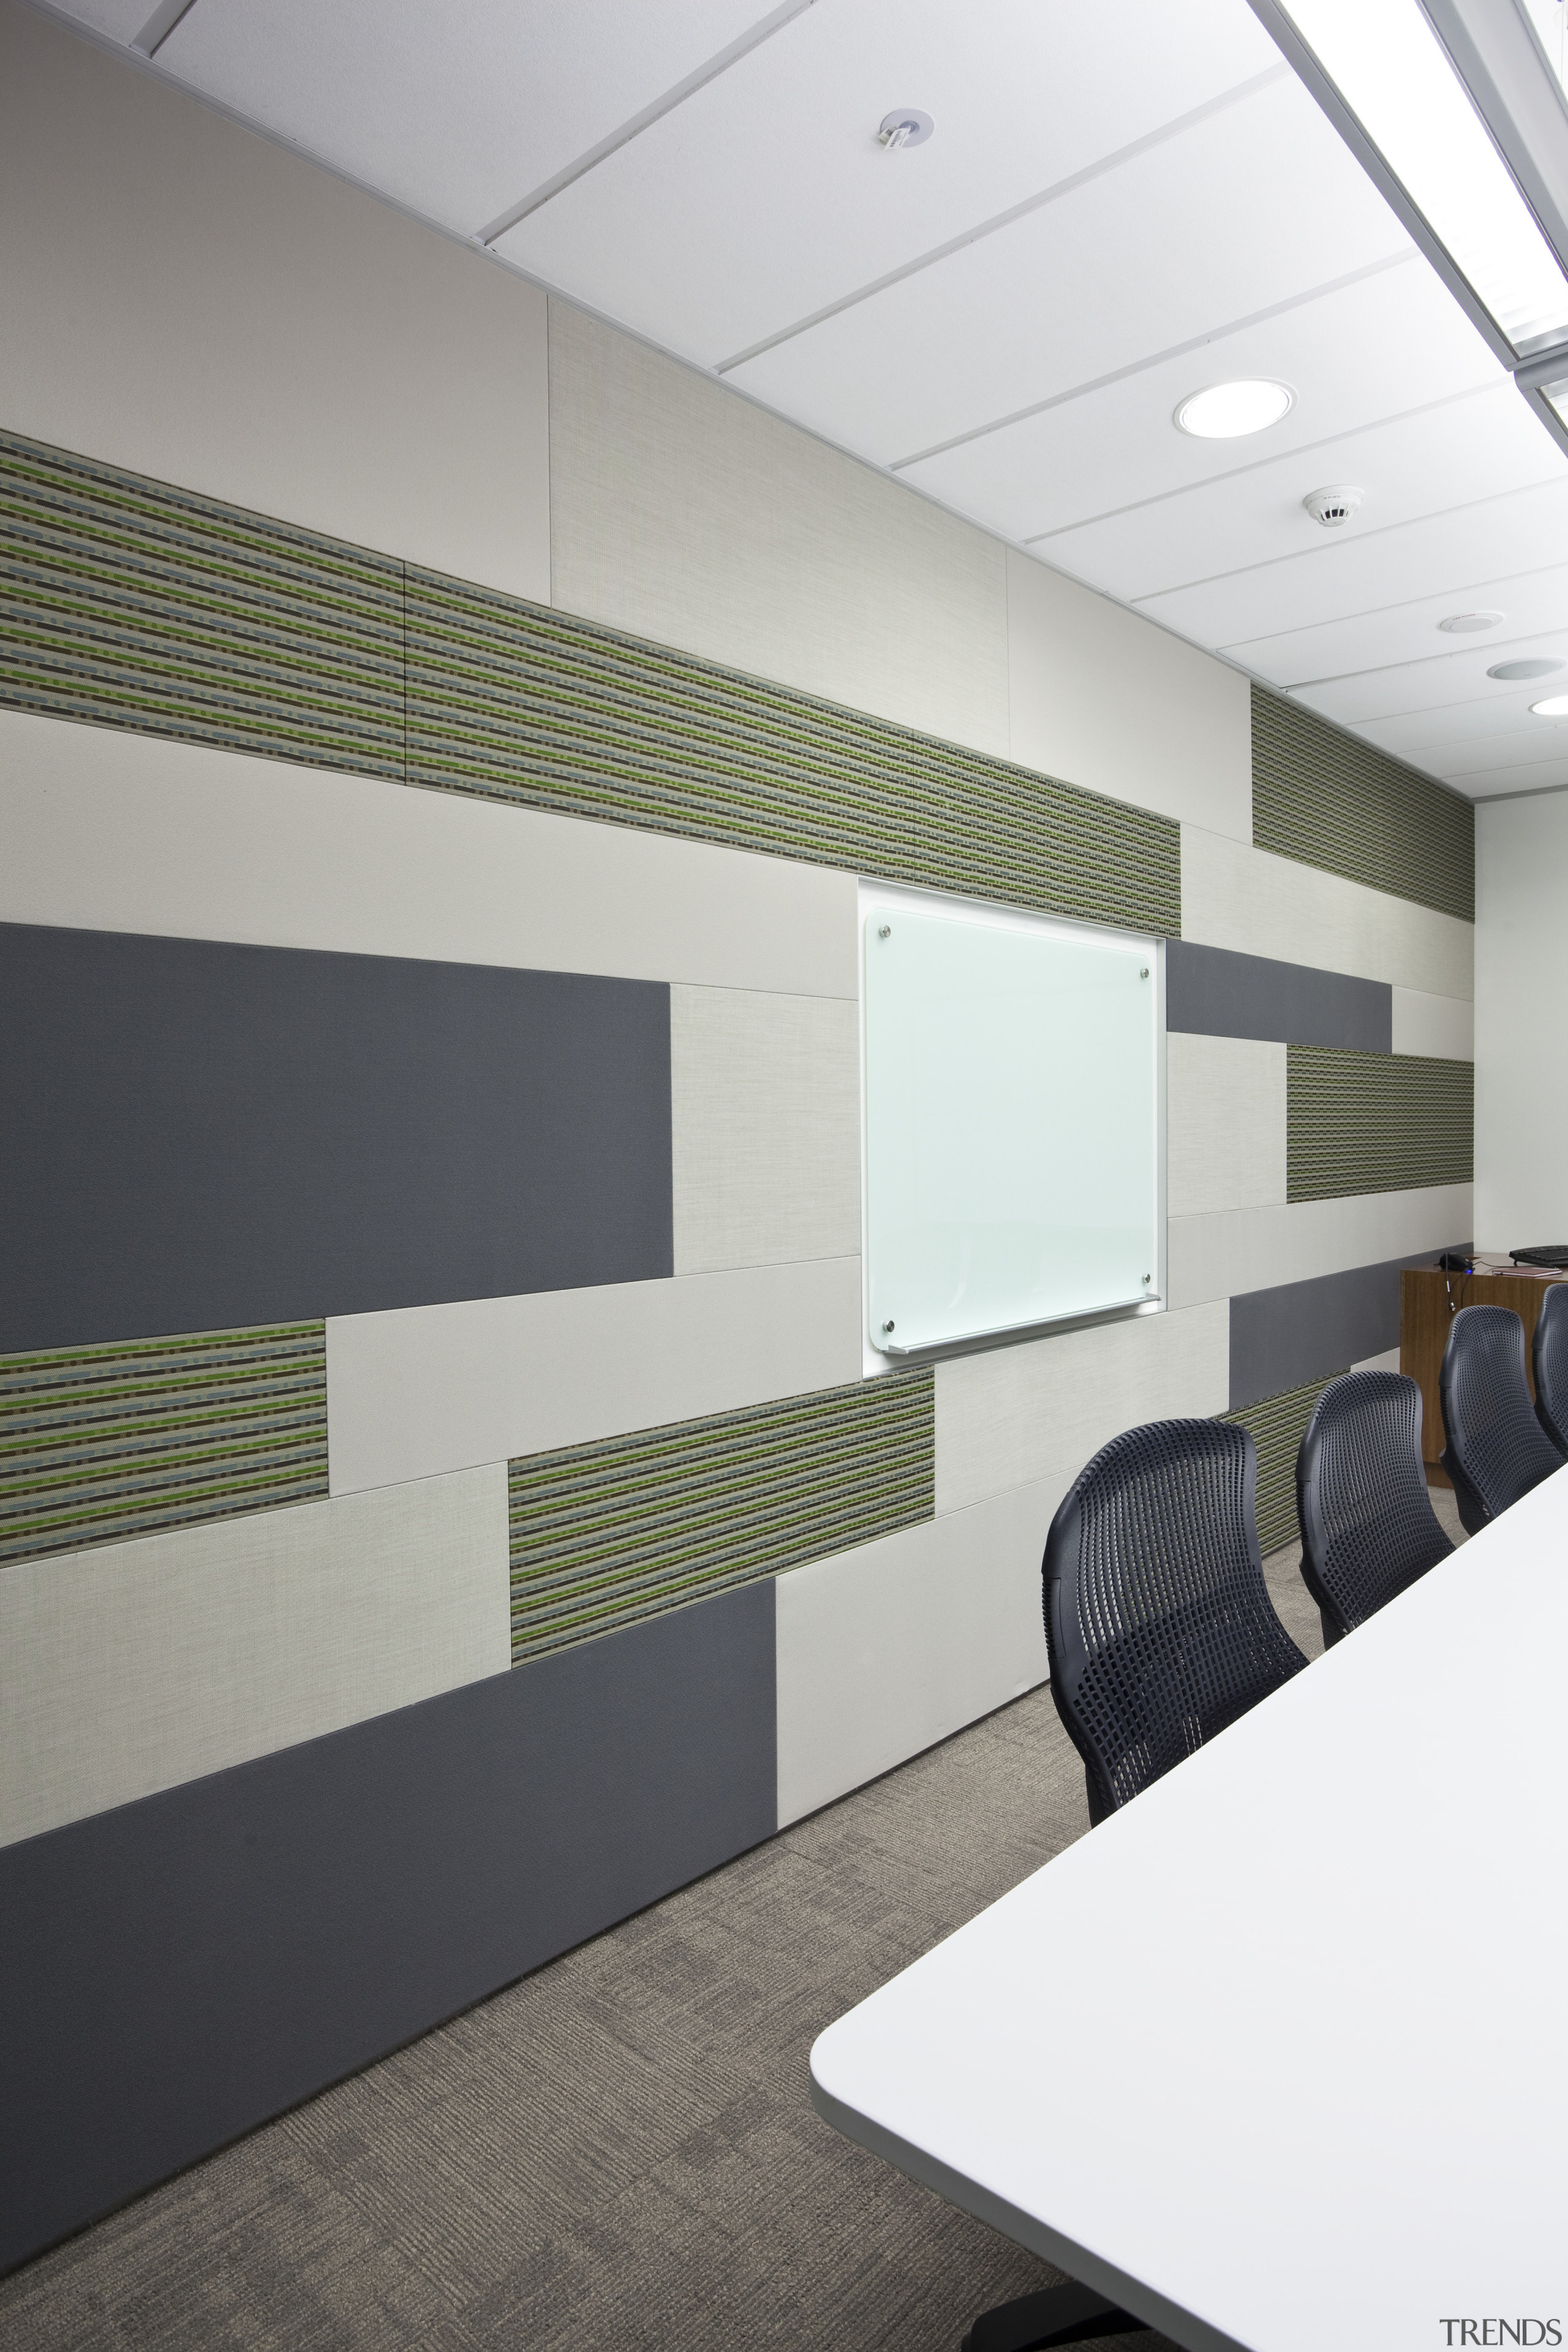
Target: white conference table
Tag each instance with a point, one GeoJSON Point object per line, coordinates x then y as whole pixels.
{"type": "Point", "coordinates": [1277, 2056]}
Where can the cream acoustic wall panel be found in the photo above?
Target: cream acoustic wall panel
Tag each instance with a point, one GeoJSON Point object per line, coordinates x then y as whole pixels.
{"type": "Point", "coordinates": [186, 299]}
{"type": "Point", "coordinates": [1233, 1250]}
{"type": "Point", "coordinates": [884, 1651]}
{"type": "Point", "coordinates": [1013, 1097]}
{"type": "Point", "coordinates": [683, 513]}
{"type": "Point", "coordinates": [138, 1665]}
{"type": "Point", "coordinates": [1236, 897]}
{"type": "Point", "coordinates": [1033, 1414]}
{"type": "Point", "coordinates": [111, 831]}
{"type": "Point", "coordinates": [1521, 1007]}
{"type": "Point", "coordinates": [1443, 1025]}
{"type": "Point", "coordinates": [765, 1095]}
{"type": "Point", "coordinates": [1181, 744]}
{"type": "Point", "coordinates": [1224, 1123]}
{"type": "Point", "coordinates": [413, 1393]}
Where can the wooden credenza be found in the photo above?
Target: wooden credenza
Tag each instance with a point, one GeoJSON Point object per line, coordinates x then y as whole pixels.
{"type": "Point", "coordinates": [1428, 1301]}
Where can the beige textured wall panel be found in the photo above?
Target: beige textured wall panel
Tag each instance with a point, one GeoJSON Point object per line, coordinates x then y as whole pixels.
{"type": "Point", "coordinates": [1104, 698]}
{"type": "Point", "coordinates": [1522, 1012]}
{"type": "Point", "coordinates": [765, 1094]}
{"type": "Point", "coordinates": [422, 1389]}
{"type": "Point", "coordinates": [1443, 1025]}
{"type": "Point", "coordinates": [119, 832]}
{"type": "Point", "coordinates": [1236, 897]}
{"type": "Point", "coordinates": [1256, 1249]}
{"type": "Point", "coordinates": [188, 300]}
{"type": "Point", "coordinates": [885, 1650]}
{"type": "Point", "coordinates": [138, 1665]}
{"type": "Point", "coordinates": [1386, 1363]}
{"type": "Point", "coordinates": [683, 513]}
{"type": "Point", "coordinates": [1224, 1123]}
{"type": "Point", "coordinates": [1035, 1414]}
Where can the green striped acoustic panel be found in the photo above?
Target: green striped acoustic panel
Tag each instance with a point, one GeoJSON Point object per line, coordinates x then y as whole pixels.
{"type": "Point", "coordinates": [524, 703]}
{"type": "Point", "coordinates": [134, 604]}
{"type": "Point", "coordinates": [1325, 798]}
{"type": "Point", "coordinates": [100, 1443]}
{"type": "Point", "coordinates": [1375, 1122]}
{"type": "Point", "coordinates": [131, 604]}
{"type": "Point", "coordinates": [605, 1534]}
{"type": "Point", "coordinates": [1278, 1424]}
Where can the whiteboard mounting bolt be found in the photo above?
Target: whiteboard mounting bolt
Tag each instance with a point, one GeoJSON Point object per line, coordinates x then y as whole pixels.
{"type": "Point", "coordinates": [885, 932]}
{"type": "Point", "coordinates": [1148, 1278]}
{"type": "Point", "coordinates": [1144, 973]}
{"type": "Point", "coordinates": [888, 1326]}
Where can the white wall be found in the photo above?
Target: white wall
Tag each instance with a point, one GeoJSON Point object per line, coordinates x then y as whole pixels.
{"type": "Point", "coordinates": [1521, 1018]}
{"type": "Point", "coordinates": [188, 300]}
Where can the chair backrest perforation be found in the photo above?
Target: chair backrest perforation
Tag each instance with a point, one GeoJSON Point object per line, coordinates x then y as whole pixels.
{"type": "Point", "coordinates": [1497, 1450]}
{"type": "Point", "coordinates": [1551, 1365]}
{"type": "Point", "coordinates": [1158, 1621]}
{"type": "Point", "coordinates": [1368, 1528]}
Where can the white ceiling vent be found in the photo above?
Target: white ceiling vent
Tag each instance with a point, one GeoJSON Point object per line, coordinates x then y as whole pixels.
{"type": "Point", "coordinates": [1333, 505]}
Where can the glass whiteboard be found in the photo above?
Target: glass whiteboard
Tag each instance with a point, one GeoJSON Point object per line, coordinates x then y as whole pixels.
{"type": "Point", "coordinates": [1012, 1126]}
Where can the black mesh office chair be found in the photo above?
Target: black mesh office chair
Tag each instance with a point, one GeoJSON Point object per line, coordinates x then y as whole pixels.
{"type": "Point", "coordinates": [1368, 1527]}
{"type": "Point", "coordinates": [1550, 1352]}
{"type": "Point", "coordinates": [1158, 1622]}
{"type": "Point", "coordinates": [1160, 1632]}
{"type": "Point", "coordinates": [1497, 1450]}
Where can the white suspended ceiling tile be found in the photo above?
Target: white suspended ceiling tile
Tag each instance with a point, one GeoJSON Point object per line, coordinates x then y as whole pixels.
{"type": "Point", "coordinates": [119, 20]}
{"type": "Point", "coordinates": [1481, 445]}
{"type": "Point", "coordinates": [458, 111]}
{"type": "Point", "coordinates": [1360, 572]}
{"type": "Point", "coordinates": [1515, 750]}
{"type": "Point", "coordinates": [1502, 782]}
{"type": "Point", "coordinates": [1418, 699]}
{"type": "Point", "coordinates": [1388, 343]}
{"type": "Point", "coordinates": [1125, 264]}
{"type": "Point", "coordinates": [766, 195]}
{"type": "Point", "coordinates": [1468, 730]}
{"type": "Point", "coordinates": [1407, 630]}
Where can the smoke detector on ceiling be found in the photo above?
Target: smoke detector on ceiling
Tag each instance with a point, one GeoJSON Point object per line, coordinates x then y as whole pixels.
{"type": "Point", "coordinates": [905, 127]}
{"type": "Point", "coordinates": [1334, 506]}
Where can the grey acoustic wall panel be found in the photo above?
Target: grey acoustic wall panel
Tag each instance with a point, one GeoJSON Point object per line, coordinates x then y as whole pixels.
{"type": "Point", "coordinates": [1375, 1122]}
{"type": "Point", "coordinates": [187, 1966]}
{"type": "Point", "coordinates": [1216, 992]}
{"type": "Point", "coordinates": [1323, 797]}
{"type": "Point", "coordinates": [217, 1135]}
{"type": "Point", "coordinates": [1302, 1332]}
{"type": "Point", "coordinates": [100, 1443]}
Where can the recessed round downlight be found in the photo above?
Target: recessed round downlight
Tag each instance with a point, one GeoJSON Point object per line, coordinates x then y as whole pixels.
{"type": "Point", "coordinates": [1517, 671]}
{"type": "Point", "coordinates": [1554, 707]}
{"type": "Point", "coordinates": [1464, 624]}
{"type": "Point", "coordinates": [1224, 411]}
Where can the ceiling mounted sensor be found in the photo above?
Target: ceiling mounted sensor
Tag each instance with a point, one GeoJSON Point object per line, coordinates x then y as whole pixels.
{"type": "Point", "coordinates": [905, 127]}
{"type": "Point", "coordinates": [1515, 672]}
{"type": "Point", "coordinates": [1554, 707]}
{"type": "Point", "coordinates": [1332, 507]}
{"type": "Point", "coordinates": [1224, 411]}
{"type": "Point", "coordinates": [1468, 625]}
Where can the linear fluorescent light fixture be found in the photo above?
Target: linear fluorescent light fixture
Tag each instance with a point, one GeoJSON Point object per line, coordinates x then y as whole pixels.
{"type": "Point", "coordinates": [1461, 117]}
